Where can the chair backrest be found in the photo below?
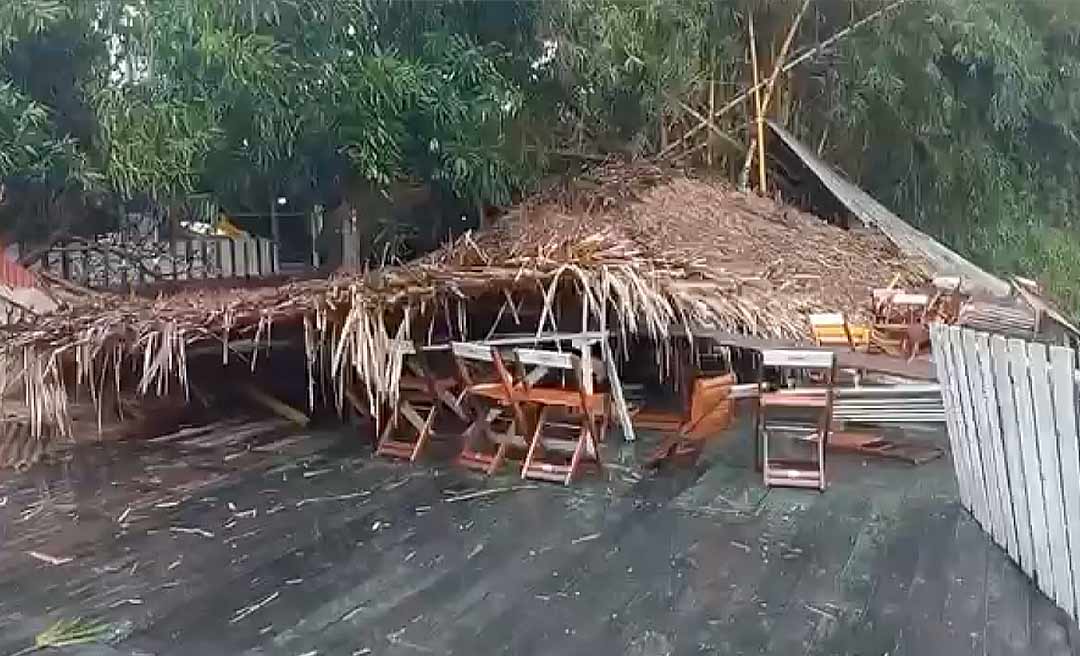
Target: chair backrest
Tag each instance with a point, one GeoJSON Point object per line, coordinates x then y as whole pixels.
{"type": "Point", "coordinates": [402, 346]}
{"type": "Point", "coordinates": [798, 359]}
{"type": "Point", "coordinates": [533, 365]}
{"type": "Point", "coordinates": [474, 352]}
{"type": "Point", "coordinates": [886, 294]}
{"type": "Point", "coordinates": [911, 300]}
{"type": "Point", "coordinates": [827, 319]}
{"type": "Point", "coordinates": [948, 283]}
{"type": "Point", "coordinates": [475, 361]}
{"type": "Point", "coordinates": [831, 328]}
{"type": "Point", "coordinates": [549, 359]}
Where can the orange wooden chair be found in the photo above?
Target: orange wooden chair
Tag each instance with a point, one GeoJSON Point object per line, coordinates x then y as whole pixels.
{"type": "Point", "coordinates": [570, 421]}
{"type": "Point", "coordinates": [710, 412]}
{"type": "Point", "coordinates": [496, 423]}
{"type": "Point", "coordinates": [788, 471]}
{"type": "Point", "coordinates": [421, 394]}
{"type": "Point", "coordinates": [901, 329]}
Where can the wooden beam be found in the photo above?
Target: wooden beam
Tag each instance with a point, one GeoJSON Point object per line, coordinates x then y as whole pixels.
{"type": "Point", "coordinates": [759, 117]}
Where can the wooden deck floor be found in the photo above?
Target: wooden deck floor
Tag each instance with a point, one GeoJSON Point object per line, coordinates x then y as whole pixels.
{"type": "Point", "coordinates": [260, 544]}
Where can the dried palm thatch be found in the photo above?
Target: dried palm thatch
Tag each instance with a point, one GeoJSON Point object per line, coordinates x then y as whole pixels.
{"type": "Point", "coordinates": [644, 251]}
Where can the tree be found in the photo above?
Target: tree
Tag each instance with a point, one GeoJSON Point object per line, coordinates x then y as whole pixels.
{"type": "Point", "coordinates": [959, 114]}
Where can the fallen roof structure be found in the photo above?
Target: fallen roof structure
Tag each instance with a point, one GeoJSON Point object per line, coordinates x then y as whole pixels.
{"type": "Point", "coordinates": [638, 251]}
{"type": "Point", "coordinates": [908, 239]}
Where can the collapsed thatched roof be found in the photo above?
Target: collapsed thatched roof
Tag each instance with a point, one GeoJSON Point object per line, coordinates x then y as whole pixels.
{"type": "Point", "coordinates": [644, 249]}
{"type": "Point", "coordinates": [723, 258]}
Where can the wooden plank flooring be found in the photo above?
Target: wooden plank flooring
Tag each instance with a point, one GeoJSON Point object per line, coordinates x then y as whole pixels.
{"type": "Point", "coordinates": [217, 546]}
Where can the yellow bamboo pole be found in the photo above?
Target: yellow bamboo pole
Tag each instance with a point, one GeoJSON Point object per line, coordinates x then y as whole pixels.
{"type": "Point", "coordinates": [803, 56]}
{"type": "Point", "coordinates": [770, 87]}
{"type": "Point", "coordinates": [758, 117]}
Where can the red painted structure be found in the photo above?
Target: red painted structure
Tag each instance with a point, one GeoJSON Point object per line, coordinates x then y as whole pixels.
{"type": "Point", "coordinates": [12, 274]}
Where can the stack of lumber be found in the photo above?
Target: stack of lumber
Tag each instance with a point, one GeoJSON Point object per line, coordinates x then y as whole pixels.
{"type": "Point", "coordinates": [997, 318]}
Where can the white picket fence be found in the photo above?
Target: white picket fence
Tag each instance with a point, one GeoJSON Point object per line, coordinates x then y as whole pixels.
{"type": "Point", "coordinates": [1011, 412]}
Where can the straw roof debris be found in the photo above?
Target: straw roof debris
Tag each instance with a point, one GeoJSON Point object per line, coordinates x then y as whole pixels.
{"type": "Point", "coordinates": [645, 250]}
{"type": "Point", "coordinates": [729, 259]}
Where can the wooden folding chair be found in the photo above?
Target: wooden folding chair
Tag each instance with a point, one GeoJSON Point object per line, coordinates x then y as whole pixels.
{"type": "Point", "coordinates": [496, 424]}
{"type": "Point", "coordinates": [577, 414]}
{"type": "Point", "coordinates": [420, 395]}
{"type": "Point", "coordinates": [787, 471]}
{"type": "Point", "coordinates": [901, 329]}
{"type": "Point", "coordinates": [711, 411]}
{"type": "Point", "coordinates": [833, 329]}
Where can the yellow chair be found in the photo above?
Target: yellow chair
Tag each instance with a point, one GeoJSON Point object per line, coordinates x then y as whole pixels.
{"type": "Point", "coordinates": [833, 329]}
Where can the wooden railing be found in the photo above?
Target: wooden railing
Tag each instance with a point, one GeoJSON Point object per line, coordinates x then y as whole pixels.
{"type": "Point", "coordinates": [103, 265]}
{"type": "Point", "coordinates": [1011, 412]}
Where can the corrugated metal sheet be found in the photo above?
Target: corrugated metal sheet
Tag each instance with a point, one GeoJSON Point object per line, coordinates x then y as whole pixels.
{"type": "Point", "coordinates": [909, 240]}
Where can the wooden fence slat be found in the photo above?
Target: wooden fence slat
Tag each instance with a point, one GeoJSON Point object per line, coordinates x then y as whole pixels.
{"type": "Point", "coordinates": [266, 263]}
{"type": "Point", "coordinates": [997, 448]}
{"type": "Point", "coordinates": [212, 258]}
{"type": "Point", "coordinates": [939, 346]}
{"type": "Point", "coordinates": [964, 434]}
{"type": "Point", "coordinates": [1029, 447]}
{"type": "Point", "coordinates": [973, 378]}
{"type": "Point", "coordinates": [240, 263]}
{"type": "Point", "coordinates": [225, 253]}
{"type": "Point", "coordinates": [180, 260]}
{"type": "Point", "coordinates": [1049, 461]}
{"type": "Point", "coordinates": [251, 248]}
{"type": "Point", "coordinates": [1062, 365]}
{"type": "Point", "coordinates": [970, 432]}
{"type": "Point", "coordinates": [1010, 431]}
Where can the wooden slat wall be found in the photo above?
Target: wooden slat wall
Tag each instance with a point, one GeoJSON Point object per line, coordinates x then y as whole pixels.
{"type": "Point", "coordinates": [1011, 412]}
{"type": "Point", "coordinates": [195, 259]}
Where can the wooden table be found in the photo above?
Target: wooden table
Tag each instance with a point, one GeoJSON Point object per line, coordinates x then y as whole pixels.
{"type": "Point", "coordinates": [584, 343]}
{"type": "Point", "coordinates": [921, 368]}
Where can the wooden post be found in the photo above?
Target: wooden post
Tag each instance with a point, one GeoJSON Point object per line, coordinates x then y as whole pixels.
{"type": "Point", "coordinates": [275, 220]}
{"type": "Point", "coordinates": [712, 104]}
{"type": "Point", "coordinates": [758, 113]}
{"type": "Point", "coordinates": [316, 224]}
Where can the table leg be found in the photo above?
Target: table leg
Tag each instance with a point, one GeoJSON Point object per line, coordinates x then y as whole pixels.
{"type": "Point", "coordinates": [618, 400]}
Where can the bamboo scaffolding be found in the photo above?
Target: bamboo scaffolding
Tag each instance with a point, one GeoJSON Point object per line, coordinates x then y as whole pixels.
{"type": "Point", "coordinates": [759, 117]}
{"type": "Point", "coordinates": [802, 57]}
{"type": "Point", "coordinates": [758, 142]}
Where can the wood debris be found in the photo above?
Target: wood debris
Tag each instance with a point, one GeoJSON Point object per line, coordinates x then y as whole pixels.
{"type": "Point", "coordinates": [339, 497]}
{"type": "Point", "coordinates": [52, 560]}
{"type": "Point", "coordinates": [191, 531]}
{"type": "Point", "coordinates": [486, 493]}
{"type": "Point", "coordinates": [248, 610]}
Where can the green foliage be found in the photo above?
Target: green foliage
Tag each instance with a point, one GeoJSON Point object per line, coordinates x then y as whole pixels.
{"type": "Point", "coordinates": [68, 633]}
{"type": "Point", "coordinates": [28, 147]}
{"type": "Point", "coordinates": [962, 115]}
{"type": "Point", "coordinates": [22, 18]}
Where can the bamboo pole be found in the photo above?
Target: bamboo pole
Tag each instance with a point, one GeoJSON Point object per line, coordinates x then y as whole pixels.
{"type": "Point", "coordinates": [712, 102]}
{"type": "Point", "coordinates": [712, 108]}
{"type": "Point", "coordinates": [711, 125]}
{"type": "Point", "coordinates": [279, 408]}
{"type": "Point", "coordinates": [759, 118]}
{"type": "Point", "coordinates": [770, 87]}
{"type": "Point", "coordinates": [799, 59]}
